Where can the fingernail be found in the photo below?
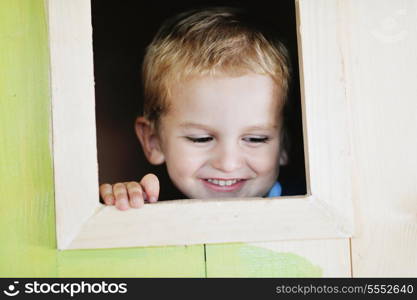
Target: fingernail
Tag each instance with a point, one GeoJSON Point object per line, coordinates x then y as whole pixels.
{"type": "Point", "coordinates": [122, 206]}
{"type": "Point", "coordinates": [153, 199]}
{"type": "Point", "coordinates": [109, 201]}
{"type": "Point", "coordinates": [135, 203]}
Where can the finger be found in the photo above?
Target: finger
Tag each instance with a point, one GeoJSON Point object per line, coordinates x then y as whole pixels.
{"type": "Point", "coordinates": [106, 193]}
{"type": "Point", "coordinates": [150, 184]}
{"type": "Point", "coordinates": [120, 193]}
{"type": "Point", "coordinates": [135, 193]}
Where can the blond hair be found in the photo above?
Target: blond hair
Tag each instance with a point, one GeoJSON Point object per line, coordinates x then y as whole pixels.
{"type": "Point", "coordinates": [208, 42]}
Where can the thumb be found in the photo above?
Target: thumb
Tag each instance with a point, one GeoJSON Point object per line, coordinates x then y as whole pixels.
{"type": "Point", "coordinates": [150, 185]}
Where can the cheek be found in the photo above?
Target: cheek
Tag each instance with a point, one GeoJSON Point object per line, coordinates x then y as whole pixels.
{"type": "Point", "coordinates": [263, 165]}
{"type": "Point", "coordinates": [183, 161]}
{"type": "Point", "coordinates": [265, 160]}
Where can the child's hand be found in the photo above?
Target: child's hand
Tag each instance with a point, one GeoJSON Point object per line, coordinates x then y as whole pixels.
{"type": "Point", "coordinates": [131, 194]}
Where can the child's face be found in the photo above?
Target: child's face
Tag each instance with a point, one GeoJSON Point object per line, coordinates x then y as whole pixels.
{"type": "Point", "coordinates": [221, 136]}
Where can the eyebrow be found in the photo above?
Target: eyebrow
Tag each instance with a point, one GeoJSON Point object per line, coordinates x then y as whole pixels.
{"type": "Point", "coordinates": [205, 127]}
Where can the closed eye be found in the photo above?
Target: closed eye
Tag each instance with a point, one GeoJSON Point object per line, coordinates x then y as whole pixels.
{"type": "Point", "coordinates": [199, 139]}
{"type": "Point", "coordinates": [256, 139]}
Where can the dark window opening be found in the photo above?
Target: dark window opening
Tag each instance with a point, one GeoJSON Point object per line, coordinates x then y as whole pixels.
{"type": "Point", "coordinates": [121, 31]}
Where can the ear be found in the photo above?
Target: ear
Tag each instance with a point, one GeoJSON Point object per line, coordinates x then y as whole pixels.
{"type": "Point", "coordinates": [149, 140]}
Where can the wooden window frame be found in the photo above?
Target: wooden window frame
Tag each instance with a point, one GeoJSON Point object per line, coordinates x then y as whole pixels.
{"type": "Point", "coordinates": [326, 212]}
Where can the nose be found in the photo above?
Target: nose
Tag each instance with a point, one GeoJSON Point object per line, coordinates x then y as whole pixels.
{"type": "Point", "coordinates": [227, 157]}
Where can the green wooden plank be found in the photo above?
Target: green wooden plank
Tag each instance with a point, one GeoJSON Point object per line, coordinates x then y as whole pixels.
{"type": "Point", "coordinates": [244, 260]}
{"type": "Point", "coordinates": [27, 220]}
{"type": "Point", "coordinates": [26, 185]}
{"type": "Point", "coordinates": [133, 262]}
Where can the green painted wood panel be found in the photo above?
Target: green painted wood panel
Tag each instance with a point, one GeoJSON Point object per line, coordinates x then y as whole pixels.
{"type": "Point", "coordinates": [244, 260]}
{"type": "Point", "coordinates": [133, 262]}
{"type": "Point", "coordinates": [27, 220]}
{"type": "Point", "coordinates": [26, 185]}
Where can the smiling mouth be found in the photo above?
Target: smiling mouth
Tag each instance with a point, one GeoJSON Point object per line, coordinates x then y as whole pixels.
{"type": "Point", "coordinates": [223, 184]}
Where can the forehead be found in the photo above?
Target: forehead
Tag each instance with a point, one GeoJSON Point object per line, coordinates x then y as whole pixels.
{"type": "Point", "coordinates": [254, 97]}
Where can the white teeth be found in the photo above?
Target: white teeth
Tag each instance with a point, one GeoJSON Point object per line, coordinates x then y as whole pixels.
{"type": "Point", "coordinates": [223, 182]}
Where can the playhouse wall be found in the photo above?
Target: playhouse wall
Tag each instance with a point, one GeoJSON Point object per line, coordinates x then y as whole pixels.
{"type": "Point", "coordinates": [380, 81]}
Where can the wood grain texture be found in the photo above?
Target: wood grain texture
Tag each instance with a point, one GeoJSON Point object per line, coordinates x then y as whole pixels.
{"type": "Point", "coordinates": [27, 225]}
{"type": "Point", "coordinates": [321, 27]}
{"type": "Point", "coordinates": [133, 262]}
{"type": "Point", "coordinates": [73, 112]}
{"type": "Point", "coordinates": [382, 89]}
{"type": "Point", "coordinates": [208, 221]}
{"type": "Point", "coordinates": [27, 221]}
{"type": "Point", "coordinates": [306, 258]}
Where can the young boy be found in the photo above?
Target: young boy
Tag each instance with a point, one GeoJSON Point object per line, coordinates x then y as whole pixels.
{"type": "Point", "coordinates": [215, 86]}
